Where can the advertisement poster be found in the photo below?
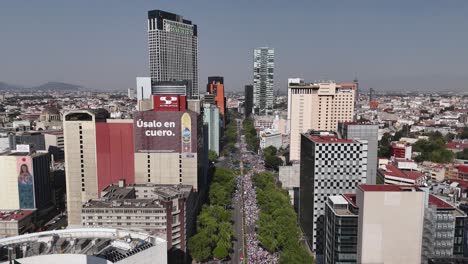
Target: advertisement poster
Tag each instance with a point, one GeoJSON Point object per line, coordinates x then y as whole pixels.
{"type": "Point", "coordinates": [186, 122]}
{"type": "Point", "coordinates": [165, 132]}
{"type": "Point", "coordinates": [25, 183]}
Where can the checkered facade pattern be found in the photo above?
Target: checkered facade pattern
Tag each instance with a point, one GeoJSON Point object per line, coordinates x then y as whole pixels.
{"type": "Point", "coordinates": [327, 169]}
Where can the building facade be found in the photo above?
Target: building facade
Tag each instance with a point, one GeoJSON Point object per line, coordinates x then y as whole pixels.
{"type": "Point", "coordinates": [263, 75]}
{"type": "Point", "coordinates": [215, 88]}
{"type": "Point", "coordinates": [173, 49]}
{"type": "Point", "coordinates": [156, 209]}
{"type": "Point", "coordinates": [318, 106]}
{"type": "Point", "coordinates": [329, 166]}
{"type": "Point", "coordinates": [156, 146]}
{"type": "Point", "coordinates": [211, 117]}
{"type": "Point", "coordinates": [97, 153]}
{"type": "Point", "coordinates": [341, 229]}
{"type": "Point", "coordinates": [388, 216]}
{"type": "Point", "coordinates": [270, 138]}
{"type": "Point", "coordinates": [369, 132]}
{"type": "Point", "coordinates": [25, 181]}
{"type": "Point", "coordinates": [248, 102]}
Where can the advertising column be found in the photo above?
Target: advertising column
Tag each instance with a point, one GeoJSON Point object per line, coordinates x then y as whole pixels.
{"type": "Point", "coordinates": [25, 183]}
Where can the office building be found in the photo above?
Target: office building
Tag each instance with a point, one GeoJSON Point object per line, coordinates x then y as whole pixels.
{"type": "Point", "coordinates": [215, 79]}
{"type": "Point", "coordinates": [215, 88]}
{"type": "Point", "coordinates": [160, 210]}
{"type": "Point", "coordinates": [164, 145]}
{"type": "Point", "coordinates": [143, 88]}
{"type": "Point", "coordinates": [182, 88]}
{"type": "Point", "coordinates": [248, 103]}
{"type": "Point", "coordinates": [211, 117]}
{"type": "Point", "coordinates": [341, 229]}
{"type": "Point", "coordinates": [318, 106]}
{"type": "Point", "coordinates": [98, 151]}
{"type": "Point", "coordinates": [16, 222]}
{"type": "Point", "coordinates": [173, 49]}
{"type": "Point", "coordinates": [442, 231]}
{"type": "Point", "coordinates": [35, 140]}
{"type": "Point", "coordinates": [54, 139]}
{"type": "Point", "coordinates": [369, 132]}
{"type": "Point", "coordinates": [25, 181]}
{"type": "Point", "coordinates": [390, 227]}
{"type": "Point", "coordinates": [85, 246]}
{"type": "Point", "coordinates": [329, 166]}
{"type": "Point", "coordinates": [263, 75]}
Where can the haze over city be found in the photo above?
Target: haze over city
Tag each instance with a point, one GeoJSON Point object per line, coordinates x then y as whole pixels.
{"type": "Point", "coordinates": [391, 45]}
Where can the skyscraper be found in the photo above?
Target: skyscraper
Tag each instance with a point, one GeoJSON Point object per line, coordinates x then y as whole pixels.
{"type": "Point", "coordinates": [173, 49]}
{"type": "Point", "coordinates": [329, 166]}
{"type": "Point", "coordinates": [319, 106]}
{"type": "Point", "coordinates": [248, 103]}
{"type": "Point", "coordinates": [264, 63]}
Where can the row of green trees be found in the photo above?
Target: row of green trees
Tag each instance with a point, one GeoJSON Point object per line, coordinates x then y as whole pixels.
{"type": "Point", "coordinates": [251, 137]}
{"type": "Point", "coordinates": [271, 160]}
{"type": "Point", "coordinates": [214, 226]}
{"type": "Point", "coordinates": [230, 137]}
{"type": "Point", "coordinates": [277, 224]}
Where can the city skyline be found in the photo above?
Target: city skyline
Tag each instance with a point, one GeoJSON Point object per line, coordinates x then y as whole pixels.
{"type": "Point", "coordinates": [388, 46]}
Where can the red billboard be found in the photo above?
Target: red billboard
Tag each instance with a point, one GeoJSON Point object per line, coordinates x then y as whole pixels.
{"type": "Point", "coordinates": [169, 102]}
{"type": "Point", "coordinates": [165, 132]}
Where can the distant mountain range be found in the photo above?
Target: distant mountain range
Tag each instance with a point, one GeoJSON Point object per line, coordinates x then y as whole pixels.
{"type": "Point", "coordinates": [49, 86]}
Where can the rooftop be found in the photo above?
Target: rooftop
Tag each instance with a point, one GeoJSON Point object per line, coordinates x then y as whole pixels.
{"type": "Point", "coordinates": [389, 188]}
{"type": "Point", "coordinates": [327, 139]}
{"type": "Point", "coordinates": [392, 171]}
{"type": "Point", "coordinates": [439, 203]}
{"type": "Point", "coordinates": [123, 203]}
{"type": "Point", "coordinates": [17, 215]}
{"type": "Point", "coordinates": [108, 244]}
{"type": "Point", "coordinates": [351, 198]}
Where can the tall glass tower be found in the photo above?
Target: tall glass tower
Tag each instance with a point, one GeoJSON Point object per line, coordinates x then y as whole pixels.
{"type": "Point", "coordinates": [264, 63]}
{"type": "Point", "coordinates": [173, 49]}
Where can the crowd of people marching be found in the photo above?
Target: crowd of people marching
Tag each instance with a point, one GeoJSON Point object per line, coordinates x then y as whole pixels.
{"type": "Point", "coordinates": [255, 253]}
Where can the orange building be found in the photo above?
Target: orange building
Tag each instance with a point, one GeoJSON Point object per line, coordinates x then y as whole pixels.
{"type": "Point", "coordinates": [216, 88]}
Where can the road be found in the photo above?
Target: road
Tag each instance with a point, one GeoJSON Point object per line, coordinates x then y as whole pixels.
{"type": "Point", "coordinates": [237, 215]}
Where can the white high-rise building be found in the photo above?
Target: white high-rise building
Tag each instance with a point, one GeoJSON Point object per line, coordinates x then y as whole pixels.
{"type": "Point", "coordinates": [329, 166]}
{"type": "Point", "coordinates": [318, 106]}
{"type": "Point", "coordinates": [173, 49]}
{"type": "Point", "coordinates": [264, 64]}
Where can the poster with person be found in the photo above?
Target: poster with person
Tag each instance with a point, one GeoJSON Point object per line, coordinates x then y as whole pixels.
{"type": "Point", "coordinates": [25, 183]}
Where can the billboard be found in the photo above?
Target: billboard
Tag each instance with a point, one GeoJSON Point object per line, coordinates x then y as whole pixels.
{"type": "Point", "coordinates": [165, 132]}
{"type": "Point", "coordinates": [25, 182]}
{"type": "Point", "coordinates": [169, 102]}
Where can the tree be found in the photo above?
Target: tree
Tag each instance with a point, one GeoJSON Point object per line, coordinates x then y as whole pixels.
{"type": "Point", "coordinates": [200, 246]}
{"type": "Point", "coordinates": [384, 146]}
{"type": "Point", "coordinates": [212, 156]}
{"type": "Point", "coordinates": [220, 252]}
{"type": "Point", "coordinates": [464, 133]}
{"type": "Point", "coordinates": [463, 154]}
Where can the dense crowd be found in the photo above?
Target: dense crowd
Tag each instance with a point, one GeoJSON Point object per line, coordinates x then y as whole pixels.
{"type": "Point", "coordinates": [255, 253]}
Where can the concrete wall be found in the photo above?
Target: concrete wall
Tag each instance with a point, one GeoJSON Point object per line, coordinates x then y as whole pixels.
{"type": "Point", "coordinates": [9, 196]}
{"type": "Point", "coordinates": [390, 227]}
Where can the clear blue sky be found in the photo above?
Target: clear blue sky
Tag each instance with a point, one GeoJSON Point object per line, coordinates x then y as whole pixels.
{"type": "Point", "coordinates": [389, 45]}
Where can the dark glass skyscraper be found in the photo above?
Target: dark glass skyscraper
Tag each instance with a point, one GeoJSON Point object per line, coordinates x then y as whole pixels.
{"type": "Point", "coordinates": [173, 49]}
